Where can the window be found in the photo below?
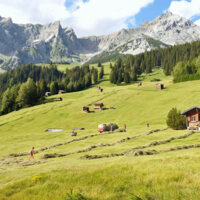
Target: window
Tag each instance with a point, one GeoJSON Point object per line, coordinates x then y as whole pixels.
{"type": "Point", "coordinates": [193, 119]}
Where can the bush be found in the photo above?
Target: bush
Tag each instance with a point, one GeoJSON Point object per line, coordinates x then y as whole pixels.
{"type": "Point", "coordinates": [74, 196]}
{"type": "Point", "coordinates": [175, 120]}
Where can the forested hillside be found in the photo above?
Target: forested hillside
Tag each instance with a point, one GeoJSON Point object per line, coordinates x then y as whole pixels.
{"type": "Point", "coordinates": [127, 69]}
{"type": "Point", "coordinates": [26, 85]}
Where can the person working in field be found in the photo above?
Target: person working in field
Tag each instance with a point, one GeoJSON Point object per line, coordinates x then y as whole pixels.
{"type": "Point", "coordinates": [32, 152]}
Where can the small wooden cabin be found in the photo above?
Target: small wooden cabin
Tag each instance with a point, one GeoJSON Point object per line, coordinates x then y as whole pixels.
{"type": "Point", "coordinates": [159, 86]}
{"type": "Point", "coordinates": [86, 109]}
{"type": "Point", "coordinates": [139, 84]}
{"type": "Point", "coordinates": [47, 94]}
{"type": "Point", "coordinates": [59, 99]}
{"type": "Point", "coordinates": [192, 116]}
{"type": "Point", "coordinates": [98, 106]}
{"type": "Point", "coordinates": [100, 89]}
{"type": "Point", "coordinates": [61, 92]}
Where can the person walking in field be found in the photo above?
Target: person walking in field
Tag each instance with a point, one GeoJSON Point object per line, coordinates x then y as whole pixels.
{"type": "Point", "coordinates": [32, 153]}
{"type": "Point", "coordinates": [125, 127]}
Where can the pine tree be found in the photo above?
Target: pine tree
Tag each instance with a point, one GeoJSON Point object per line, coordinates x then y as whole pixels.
{"type": "Point", "coordinates": [101, 73]}
{"type": "Point", "coordinates": [54, 87]}
{"type": "Point", "coordinates": [95, 76]}
{"type": "Point", "coordinates": [127, 77]}
{"type": "Point", "coordinates": [27, 94]}
{"type": "Point", "coordinates": [119, 78]}
{"type": "Point", "coordinates": [99, 64]}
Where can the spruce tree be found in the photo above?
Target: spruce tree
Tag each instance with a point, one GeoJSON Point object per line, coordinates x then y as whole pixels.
{"type": "Point", "coordinates": [95, 76]}
{"type": "Point", "coordinates": [101, 73]}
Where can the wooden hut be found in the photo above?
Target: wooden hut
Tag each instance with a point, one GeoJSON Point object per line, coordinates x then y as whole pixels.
{"type": "Point", "coordinates": [139, 84]}
{"type": "Point", "coordinates": [47, 94]}
{"type": "Point", "coordinates": [192, 116]}
{"type": "Point", "coordinates": [86, 109]}
{"type": "Point", "coordinates": [59, 99]}
{"type": "Point", "coordinates": [159, 86]}
{"type": "Point", "coordinates": [98, 106]}
{"type": "Point", "coordinates": [61, 92]}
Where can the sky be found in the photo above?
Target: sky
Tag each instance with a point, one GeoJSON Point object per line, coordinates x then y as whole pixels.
{"type": "Point", "coordinates": [96, 17]}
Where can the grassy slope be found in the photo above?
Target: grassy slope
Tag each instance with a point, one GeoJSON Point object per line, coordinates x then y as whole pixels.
{"type": "Point", "coordinates": [172, 175]}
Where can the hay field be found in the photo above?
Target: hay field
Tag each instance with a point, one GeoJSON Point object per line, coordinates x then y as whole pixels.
{"type": "Point", "coordinates": [141, 163]}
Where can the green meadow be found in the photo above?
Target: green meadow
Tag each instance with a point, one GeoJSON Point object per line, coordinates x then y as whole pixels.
{"type": "Point", "coordinates": [128, 172]}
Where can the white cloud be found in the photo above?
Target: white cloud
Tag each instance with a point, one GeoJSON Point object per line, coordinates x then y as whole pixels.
{"type": "Point", "coordinates": [105, 16]}
{"type": "Point", "coordinates": [94, 17]}
{"type": "Point", "coordinates": [34, 11]}
{"type": "Point", "coordinates": [187, 9]}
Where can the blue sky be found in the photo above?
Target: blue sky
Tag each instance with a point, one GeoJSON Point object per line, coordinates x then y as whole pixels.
{"type": "Point", "coordinates": [152, 11]}
{"type": "Point", "coordinates": [96, 17]}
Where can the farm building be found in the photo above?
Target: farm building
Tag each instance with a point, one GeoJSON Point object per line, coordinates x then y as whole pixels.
{"type": "Point", "coordinates": [159, 86]}
{"type": "Point", "coordinates": [192, 117]}
{"type": "Point", "coordinates": [139, 84]}
{"type": "Point", "coordinates": [61, 92]}
{"type": "Point", "coordinates": [47, 94]}
{"type": "Point", "coordinates": [100, 89]}
{"type": "Point", "coordinates": [59, 99]}
{"type": "Point", "coordinates": [98, 106]}
{"type": "Point", "coordinates": [86, 109]}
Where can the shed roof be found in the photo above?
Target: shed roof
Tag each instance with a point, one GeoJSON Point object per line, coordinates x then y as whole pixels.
{"type": "Point", "coordinates": [98, 104]}
{"type": "Point", "coordinates": [188, 110]}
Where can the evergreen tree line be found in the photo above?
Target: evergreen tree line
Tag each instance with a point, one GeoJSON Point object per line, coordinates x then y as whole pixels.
{"type": "Point", "coordinates": [166, 58]}
{"type": "Point", "coordinates": [186, 71]}
{"type": "Point", "coordinates": [123, 71]}
{"type": "Point", "coordinates": [26, 86]}
{"type": "Point", "coordinates": [22, 95]}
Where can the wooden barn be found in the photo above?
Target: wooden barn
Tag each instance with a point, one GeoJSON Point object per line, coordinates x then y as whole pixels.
{"type": "Point", "coordinates": [59, 99]}
{"type": "Point", "coordinates": [139, 84]}
{"type": "Point", "coordinates": [98, 106]}
{"type": "Point", "coordinates": [159, 86]}
{"type": "Point", "coordinates": [47, 94]}
{"type": "Point", "coordinates": [192, 117]}
{"type": "Point", "coordinates": [61, 92]}
{"type": "Point", "coordinates": [86, 109]}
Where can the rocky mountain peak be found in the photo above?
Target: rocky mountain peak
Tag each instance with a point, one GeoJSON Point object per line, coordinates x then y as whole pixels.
{"type": "Point", "coordinates": [69, 31]}
{"type": "Point", "coordinates": [5, 20]}
{"type": "Point", "coordinates": [41, 43]}
{"type": "Point", "coordinates": [50, 31]}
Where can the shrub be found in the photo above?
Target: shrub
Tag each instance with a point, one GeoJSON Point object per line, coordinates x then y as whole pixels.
{"type": "Point", "coordinates": [74, 196]}
{"type": "Point", "coordinates": [175, 120]}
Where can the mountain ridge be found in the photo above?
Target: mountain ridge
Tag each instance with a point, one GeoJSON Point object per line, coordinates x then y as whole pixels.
{"type": "Point", "coordinates": [28, 43]}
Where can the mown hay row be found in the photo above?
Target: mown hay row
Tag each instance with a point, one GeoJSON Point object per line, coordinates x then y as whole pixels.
{"type": "Point", "coordinates": [136, 151]}
{"type": "Point", "coordinates": [102, 145]}
{"type": "Point", "coordinates": [65, 143]}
